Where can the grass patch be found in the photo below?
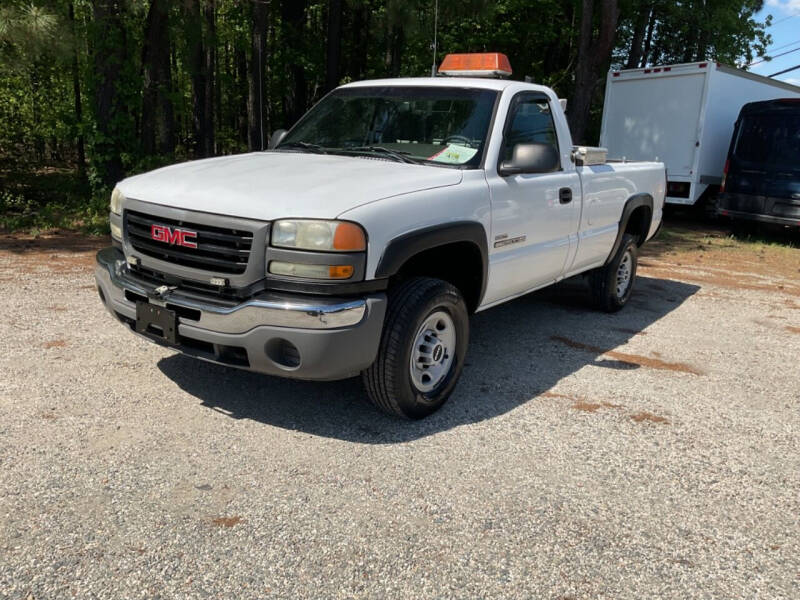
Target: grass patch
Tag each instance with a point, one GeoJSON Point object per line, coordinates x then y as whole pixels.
{"type": "Point", "coordinates": [685, 236]}
{"type": "Point", "coordinates": [50, 198]}
{"type": "Point", "coordinates": [764, 258]}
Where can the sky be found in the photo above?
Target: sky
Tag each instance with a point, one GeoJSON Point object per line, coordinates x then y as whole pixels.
{"type": "Point", "coordinates": [785, 32]}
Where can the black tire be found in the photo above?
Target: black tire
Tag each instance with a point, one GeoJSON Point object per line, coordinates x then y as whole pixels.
{"type": "Point", "coordinates": [388, 381]}
{"type": "Point", "coordinates": [603, 281]}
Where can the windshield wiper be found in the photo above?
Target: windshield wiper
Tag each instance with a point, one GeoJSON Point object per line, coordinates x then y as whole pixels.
{"type": "Point", "coordinates": [399, 156]}
{"type": "Point", "coordinates": [316, 148]}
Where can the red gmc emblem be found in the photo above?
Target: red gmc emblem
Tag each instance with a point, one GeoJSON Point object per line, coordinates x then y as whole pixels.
{"type": "Point", "coordinates": [180, 237]}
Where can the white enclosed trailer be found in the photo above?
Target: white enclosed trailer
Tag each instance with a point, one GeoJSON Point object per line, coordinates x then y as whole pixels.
{"type": "Point", "coordinates": [681, 115]}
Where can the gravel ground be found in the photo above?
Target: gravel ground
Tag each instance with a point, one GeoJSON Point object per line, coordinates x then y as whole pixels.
{"type": "Point", "coordinates": [654, 453]}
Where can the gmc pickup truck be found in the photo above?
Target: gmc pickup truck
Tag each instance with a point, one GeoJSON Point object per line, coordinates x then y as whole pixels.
{"type": "Point", "coordinates": [362, 240]}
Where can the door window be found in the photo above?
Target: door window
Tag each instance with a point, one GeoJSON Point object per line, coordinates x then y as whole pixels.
{"type": "Point", "coordinates": [530, 122]}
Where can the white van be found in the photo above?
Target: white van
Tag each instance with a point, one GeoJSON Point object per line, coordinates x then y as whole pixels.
{"type": "Point", "coordinates": [683, 116]}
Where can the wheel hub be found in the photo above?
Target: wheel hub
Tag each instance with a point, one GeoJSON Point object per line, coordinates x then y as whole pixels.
{"type": "Point", "coordinates": [433, 352]}
{"type": "Point", "coordinates": [624, 275]}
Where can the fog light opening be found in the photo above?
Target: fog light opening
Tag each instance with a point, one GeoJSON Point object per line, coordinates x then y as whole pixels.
{"type": "Point", "coordinates": [283, 353]}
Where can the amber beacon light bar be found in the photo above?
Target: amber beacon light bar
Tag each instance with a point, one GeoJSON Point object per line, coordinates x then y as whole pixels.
{"type": "Point", "coordinates": [490, 64]}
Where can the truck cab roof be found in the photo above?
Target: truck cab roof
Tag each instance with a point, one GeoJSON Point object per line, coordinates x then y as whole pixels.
{"type": "Point", "coordinates": [470, 82]}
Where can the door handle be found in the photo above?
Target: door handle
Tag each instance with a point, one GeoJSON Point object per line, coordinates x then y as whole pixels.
{"type": "Point", "coordinates": [565, 195]}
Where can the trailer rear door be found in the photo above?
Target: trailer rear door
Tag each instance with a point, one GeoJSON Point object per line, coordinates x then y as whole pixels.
{"type": "Point", "coordinates": [655, 117]}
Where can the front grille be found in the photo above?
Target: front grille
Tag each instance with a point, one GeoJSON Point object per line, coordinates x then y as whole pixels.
{"type": "Point", "coordinates": [155, 279]}
{"type": "Point", "coordinates": [219, 250]}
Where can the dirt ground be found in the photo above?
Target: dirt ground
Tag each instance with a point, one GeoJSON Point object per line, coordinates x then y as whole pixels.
{"type": "Point", "coordinates": [653, 453]}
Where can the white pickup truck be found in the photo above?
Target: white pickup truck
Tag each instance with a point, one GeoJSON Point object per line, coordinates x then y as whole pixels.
{"type": "Point", "coordinates": [367, 234]}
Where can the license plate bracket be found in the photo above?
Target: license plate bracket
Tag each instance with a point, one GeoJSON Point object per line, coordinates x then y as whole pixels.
{"type": "Point", "coordinates": [151, 318]}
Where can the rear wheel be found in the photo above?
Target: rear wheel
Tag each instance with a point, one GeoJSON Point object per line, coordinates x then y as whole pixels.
{"type": "Point", "coordinates": [422, 349]}
{"type": "Point", "coordinates": [612, 284]}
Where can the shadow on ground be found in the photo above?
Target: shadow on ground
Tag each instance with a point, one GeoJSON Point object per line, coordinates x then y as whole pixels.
{"type": "Point", "coordinates": [57, 241]}
{"type": "Point", "coordinates": [517, 351]}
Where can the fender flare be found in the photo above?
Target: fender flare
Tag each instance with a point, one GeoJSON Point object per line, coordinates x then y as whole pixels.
{"type": "Point", "coordinates": [404, 247]}
{"type": "Point", "coordinates": [631, 204]}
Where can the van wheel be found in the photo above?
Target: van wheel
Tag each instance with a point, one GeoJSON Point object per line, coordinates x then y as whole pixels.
{"type": "Point", "coordinates": [612, 284]}
{"type": "Point", "coordinates": [422, 349]}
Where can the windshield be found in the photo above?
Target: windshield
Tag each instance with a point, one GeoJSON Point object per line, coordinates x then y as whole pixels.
{"type": "Point", "coordinates": [426, 125]}
{"type": "Point", "coordinates": [771, 140]}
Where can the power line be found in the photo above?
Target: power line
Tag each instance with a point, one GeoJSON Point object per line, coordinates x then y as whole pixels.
{"type": "Point", "coordinates": [758, 62]}
{"type": "Point", "coordinates": [784, 19]}
{"type": "Point", "coordinates": [785, 71]}
{"type": "Point", "coordinates": [784, 45]}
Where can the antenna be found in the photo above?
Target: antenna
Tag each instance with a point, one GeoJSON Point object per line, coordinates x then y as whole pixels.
{"type": "Point", "coordinates": [435, 38]}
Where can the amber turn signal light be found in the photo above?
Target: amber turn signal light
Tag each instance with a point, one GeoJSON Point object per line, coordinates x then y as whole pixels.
{"type": "Point", "coordinates": [340, 271]}
{"type": "Point", "coordinates": [349, 237]}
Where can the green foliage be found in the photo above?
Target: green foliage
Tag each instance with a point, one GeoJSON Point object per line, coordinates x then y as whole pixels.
{"type": "Point", "coordinates": [50, 198]}
{"type": "Point", "coordinates": [690, 30]}
{"type": "Point", "coordinates": [47, 47]}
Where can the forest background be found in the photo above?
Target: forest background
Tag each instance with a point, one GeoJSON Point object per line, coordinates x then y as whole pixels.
{"type": "Point", "coordinates": [94, 90]}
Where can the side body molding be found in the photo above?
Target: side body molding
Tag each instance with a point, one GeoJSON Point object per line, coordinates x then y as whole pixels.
{"type": "Point", "coordinates": [634, 202]}
{"type": "Point", "coordinates": [404, 247]}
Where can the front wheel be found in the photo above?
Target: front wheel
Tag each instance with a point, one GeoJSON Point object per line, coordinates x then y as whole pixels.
{"type": "Point", "coordinates": [422, 349]}
{"type": "Point", "coordinates": [612, 284]}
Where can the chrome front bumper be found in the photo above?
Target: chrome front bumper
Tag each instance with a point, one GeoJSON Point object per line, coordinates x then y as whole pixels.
{"type": "Point", "coordinates": [334, 338]}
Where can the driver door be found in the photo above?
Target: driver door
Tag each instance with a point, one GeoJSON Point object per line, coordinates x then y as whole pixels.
{"type": "Point", "coordinates": [534, 215]}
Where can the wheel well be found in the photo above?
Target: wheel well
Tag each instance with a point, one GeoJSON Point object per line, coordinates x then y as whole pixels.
{"type": "Point", "coordinates": [639, 223]}
{"type": "Point", "coordinates": [458, 263]}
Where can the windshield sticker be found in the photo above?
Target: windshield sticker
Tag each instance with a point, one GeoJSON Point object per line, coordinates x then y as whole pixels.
{"type": "Point", "coordinates": [454, 154]}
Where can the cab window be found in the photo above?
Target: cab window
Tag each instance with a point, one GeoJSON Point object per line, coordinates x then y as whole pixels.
{"type": "Point", "coordinates": [530, 121]}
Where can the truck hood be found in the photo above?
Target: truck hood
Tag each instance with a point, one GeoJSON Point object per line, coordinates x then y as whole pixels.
{"type": "Point", "coordinates": [273, 185]}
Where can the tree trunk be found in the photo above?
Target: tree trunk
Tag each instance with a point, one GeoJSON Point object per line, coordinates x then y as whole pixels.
{"type": "Point", "coordinates": [704, 35]}
{"type": "Point", "coordinates": [76, 91]}
{"type": "Point", "coordinates": [158, 117]}
{"type": "Point", "coordinates": [256, 136]}
{"type": "Point", "coordinates": [210, 61]}
{"type": "Point", "coordinates": [358, 56]}
{"type": "Point", "coordinates": [200, 66]}
{"type": "Point", "coordinates": [397, 40]}
{"type": "Point", "coordinates": [240, 56]}
{"type": "Point", "coordinates": [293, 14]}
{"type": "Point", "coordinates": [333, 44]}
{"type": "Point", "coordinates": [639, 28]}
{"type": "Point", "coordinates": [690, 41]}
{"type": "Point", "coordinates": [593, 54]}
{"type": "Point", "coordinates": [648, 41]}
{"type": "Point", "coordinates": [109, 47]}
{"type": "Point", "coordinates": [38, 140]}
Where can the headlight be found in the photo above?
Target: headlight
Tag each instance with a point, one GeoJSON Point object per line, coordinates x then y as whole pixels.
{"type": "Point", "coordinates": [336, 236]}
{"type": "Point", "coordinates": [116, 201]}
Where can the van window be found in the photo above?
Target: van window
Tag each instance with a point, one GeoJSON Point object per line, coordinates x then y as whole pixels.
{"type": "Point", "coordinates": [771, 140]}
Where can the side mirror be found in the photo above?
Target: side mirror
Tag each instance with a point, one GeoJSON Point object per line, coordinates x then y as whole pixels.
{"type": "Point", "coordinates": [277, 137]}
{"type": "Point", "coordinates": [531, 158]}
